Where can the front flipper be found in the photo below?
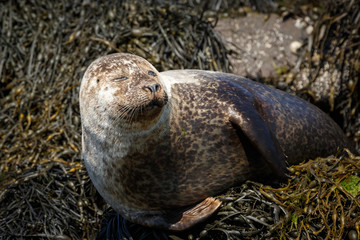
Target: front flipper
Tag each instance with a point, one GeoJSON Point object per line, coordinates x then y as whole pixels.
{"type": "Point", "coordinates": [247, 120]}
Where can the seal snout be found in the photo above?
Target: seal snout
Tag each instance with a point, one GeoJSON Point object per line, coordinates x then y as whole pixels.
{"type": "Point", "coordinates": [156, 96]}
{"type": "Point", "coordinates": [153, 88]}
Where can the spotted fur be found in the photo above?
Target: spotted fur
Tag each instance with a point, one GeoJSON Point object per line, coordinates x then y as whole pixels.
{"type": "Point", "coordinates": [181, 146]}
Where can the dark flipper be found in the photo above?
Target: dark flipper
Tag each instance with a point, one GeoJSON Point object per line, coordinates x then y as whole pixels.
{"type": "Point", "coordinates": [247, 120]}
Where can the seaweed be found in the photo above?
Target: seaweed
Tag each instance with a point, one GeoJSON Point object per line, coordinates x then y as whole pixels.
{"type": "Point", "coordinates": [45, 192]}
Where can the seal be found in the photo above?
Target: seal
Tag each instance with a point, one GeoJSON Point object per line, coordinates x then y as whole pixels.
{"type": "Point", "coordinates": [158, 146]}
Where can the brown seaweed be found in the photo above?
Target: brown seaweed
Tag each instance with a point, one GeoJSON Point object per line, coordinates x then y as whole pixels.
{"type": "Point", "coordinates": [45, 192]}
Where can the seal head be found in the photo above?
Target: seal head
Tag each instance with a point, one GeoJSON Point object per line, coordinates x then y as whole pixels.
{"type": "Point", "coordinates": [123, 89]}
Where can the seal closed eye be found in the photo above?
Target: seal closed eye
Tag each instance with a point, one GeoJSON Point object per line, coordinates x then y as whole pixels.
{"type": "Point", "coordinates": [159, 146]}
{"type": "Point", "coordinates": [121, 78]}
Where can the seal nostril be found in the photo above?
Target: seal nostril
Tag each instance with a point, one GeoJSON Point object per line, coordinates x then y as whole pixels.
{"type": "Point", "coordinates": [157, 87]}
{"type": "Point", "coordinates": [153, 88]}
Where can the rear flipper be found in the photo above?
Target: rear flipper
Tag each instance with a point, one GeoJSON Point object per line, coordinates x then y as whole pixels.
{"type": "Point", "coordinates": [195, 214]}
{"type": "Point", "coordinates": [178, 219]}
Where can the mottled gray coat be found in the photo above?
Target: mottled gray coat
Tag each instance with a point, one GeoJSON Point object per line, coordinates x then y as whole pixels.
{"type": "Point", "coordinates": [196, 134]}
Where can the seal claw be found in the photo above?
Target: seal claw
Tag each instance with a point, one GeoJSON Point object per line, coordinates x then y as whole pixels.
{"type": "Point", "coordinates": [196, 214]}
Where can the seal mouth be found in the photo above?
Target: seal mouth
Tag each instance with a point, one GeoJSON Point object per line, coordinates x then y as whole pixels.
{"type": "Point", "coordinates": [147, 110]}
{"type": "Point", "coordinates": [155, 103]}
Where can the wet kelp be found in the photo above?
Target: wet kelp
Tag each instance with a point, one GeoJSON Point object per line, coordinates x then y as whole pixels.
{"type": "Point", "coordinates": [322, 199]}
{"type": "Point", "coordinates": [50, 201]}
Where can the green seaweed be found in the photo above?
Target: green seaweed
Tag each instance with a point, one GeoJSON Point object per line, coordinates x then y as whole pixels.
{"type": "Point", "coordinates": [351, 184]}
